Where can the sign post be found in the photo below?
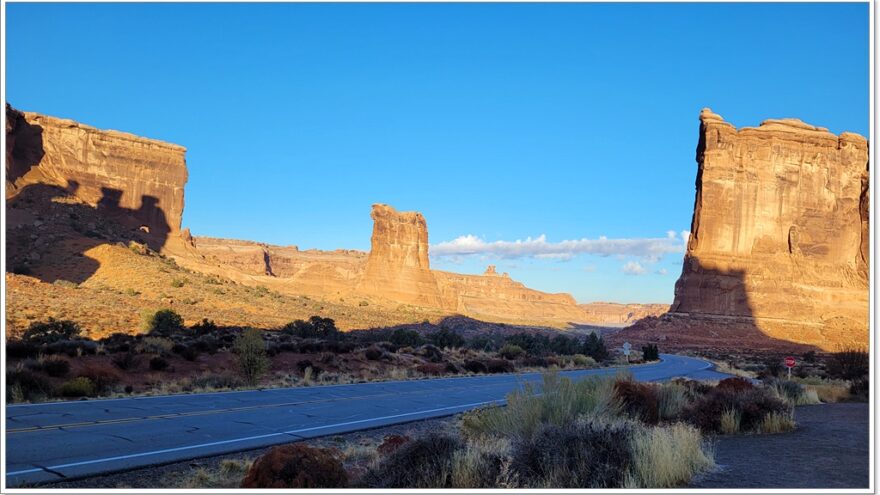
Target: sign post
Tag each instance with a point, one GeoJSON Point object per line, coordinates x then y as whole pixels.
{"type": "Point", "coordinates": [626, 349]}
{"type": "Point", "coordinates": [789, 363]}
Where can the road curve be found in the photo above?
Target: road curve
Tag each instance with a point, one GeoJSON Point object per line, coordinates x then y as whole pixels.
{"type": "Point", "coordinates": [58, 440]}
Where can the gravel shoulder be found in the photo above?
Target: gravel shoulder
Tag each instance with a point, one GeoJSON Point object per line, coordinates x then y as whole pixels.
{"type": "Point", "coordinates": [830, 449]}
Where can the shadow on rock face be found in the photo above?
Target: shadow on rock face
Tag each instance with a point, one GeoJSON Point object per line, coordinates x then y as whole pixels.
{"type": "Point", "coordinates": [49, 230]}
{"type": "Point", "coordinates": [712, 310]}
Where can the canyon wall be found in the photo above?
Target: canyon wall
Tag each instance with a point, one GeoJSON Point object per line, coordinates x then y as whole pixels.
{"type": "Point", "coordinates": [135, 180]}
{"type": "Point", "coordinates": [620, 314]}
{"type": "Point", "coordinates": [779, 234]}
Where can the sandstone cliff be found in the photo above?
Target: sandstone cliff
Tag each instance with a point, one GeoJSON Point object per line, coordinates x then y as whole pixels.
{"type": "Point", "coordinates": [605, 313]}
{"type": "Point", "coordinates": [137, 178]}
{"type": "Point", "coordinates": [779, 235]}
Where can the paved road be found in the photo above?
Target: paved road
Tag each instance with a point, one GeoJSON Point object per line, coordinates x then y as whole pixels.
{"type": "Point", "coordinates": [52, 441]}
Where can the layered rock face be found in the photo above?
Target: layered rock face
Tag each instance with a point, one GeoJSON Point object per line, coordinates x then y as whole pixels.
{"type": "Point", "coordinates": [398, 267]}
{"type": "Point", "coordinates": [779, 234]}
{"type": "Point", "coordinates": [135, 180]}
{"type": "Point", "coordinates": [620, 314]}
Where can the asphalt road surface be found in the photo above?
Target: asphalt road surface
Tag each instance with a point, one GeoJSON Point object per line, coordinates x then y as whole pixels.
{"type": "Point", "coordinates": [58, 440]}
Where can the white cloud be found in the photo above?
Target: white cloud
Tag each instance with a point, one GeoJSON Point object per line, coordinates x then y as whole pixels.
{"type": "Point", "coordinates": [662, 271]}
{"type": "Point", "coordinates": [634, 268]}
{"type": "Point", "coordinates": [650, 249]}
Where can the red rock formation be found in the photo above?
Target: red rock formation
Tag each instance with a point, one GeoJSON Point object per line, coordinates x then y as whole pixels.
{"type": "Point", "coordinates": [780, 231]}
{"type": "Point", "coordinates": [141, 178]}
{"type": "Point", "coordinates": [398, 268]}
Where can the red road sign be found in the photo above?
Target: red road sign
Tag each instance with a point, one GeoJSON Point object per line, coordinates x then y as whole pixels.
{"type": "Point", "coordinates": [790, 362]}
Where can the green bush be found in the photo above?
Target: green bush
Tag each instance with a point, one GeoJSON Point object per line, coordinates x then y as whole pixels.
{"type": "Point", "coordinates": [78, 387]}
{"type": "Point", "coordinates": [250, 351]}
{"type": "Point", "coordinates": [163, 323]}
{"type": "Point", "coordinates": [316, 328]}
{"type": "Point", "coordinates": [178, 282]}
{"type": "Point", "coordinates": [403, 337]}
{"type": "Point", "coordinates": [650, 352]}
{"type": "Point", "coordinates": [582, 361]}
{"type": "Point", "coordinates": [51, 331]}
{"type": "Point", "coordinates": [511, 351]}
{"type": "Point", "coordinates": [446, 338]}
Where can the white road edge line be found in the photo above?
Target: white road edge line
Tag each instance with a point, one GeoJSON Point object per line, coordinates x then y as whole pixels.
{"type": "Point", "coordinates": [243, 439]}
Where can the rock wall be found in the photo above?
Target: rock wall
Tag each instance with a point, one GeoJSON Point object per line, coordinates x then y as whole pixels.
{"type": "Point", "coordinates": [620, 314]}
{"type": "Point", "coordinates": [780, 231]}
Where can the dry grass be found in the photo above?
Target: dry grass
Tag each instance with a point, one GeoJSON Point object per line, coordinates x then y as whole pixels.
{"type": "Point", "coordinates": [473, 466]}
{"type": "Point", "coordinates": [776, 423]}
{"type": "Point", "coordinates": [725, 367]}
{"type": "Point", "coordinates": [730, 422]}
{"type": "Point", "coordinates": [667, 457]}
{"type": "Point", "coordinates": [227, 475]}
{"type": "Point", "coordinates": [830, 393]}
{"type": "Point", "coordinates": [672, 399]}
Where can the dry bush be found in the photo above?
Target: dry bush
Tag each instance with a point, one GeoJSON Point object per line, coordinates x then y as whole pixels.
{"type": "Point", "coordinates": [499, 366]}
{"type": "Point", "coordinates": [581, 454]}
{"type": "Point", "coordinates": [752, 405]}
{"type": "Point", "coordinates": [639, 400]}
{"type": "Point", "coordinates": [78, 387]}
{"type": "Point", "coordinates": [730, 422]}
{"type": "Point", "coordinates": [671, 400]}
{"type": "Point", "coordinates": [479, 464]}
{"type": "Point", "coordinates": [250, 351]}
{"type": "Point", "coordinates": [831, 392]}
{"type": "Point", "coordinates": [55, 366]}
{"type": "Point", "coordinates": [735, 383]}
{"type": "Point", "coordinates": [425, 462]}
{"type": "Point", "coordinates": [228, 474]}
{"type": "Point", "coordinates": [103, 376]}
{"type": "Point", "coordinates": [24, 385]}
{"type": "Point", "coordinates": [667, 457]}
{"type": "Point", "coordinates": [296, 466]}
{"type": "Point", "coordinates": [391, 443]}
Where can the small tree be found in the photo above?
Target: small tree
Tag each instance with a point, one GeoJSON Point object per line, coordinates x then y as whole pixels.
{"type": "Point", "coordinates": [849, 364]}
{"type": "Point", "coordinates": [163, 323]}
{"type": "Point", "coordinates": [324, 328]}
{"type": "Point", "coordinates": [594, 346]}
{"type": "Point", "coordinates": [446, 338]}
{"type": "Point", "coordinates": [650, 352]}
{"type": "Point", "coordinates": [250, 349]}
{"type": "Point", "coordinates": [403, 337]}
{"type": "Point", "coordinates": [51, 331]}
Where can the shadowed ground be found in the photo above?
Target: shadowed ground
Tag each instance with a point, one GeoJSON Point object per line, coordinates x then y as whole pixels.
{"type": "Point", "coordinates": [828, 450]}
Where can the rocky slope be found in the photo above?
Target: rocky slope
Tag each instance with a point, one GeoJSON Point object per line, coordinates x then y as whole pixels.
{"type": "Point", "coordinates": [620, 314]}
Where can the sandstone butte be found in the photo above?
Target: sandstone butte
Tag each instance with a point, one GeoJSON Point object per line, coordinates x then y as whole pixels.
{"type": "Point", "coordinates": [779, 238]}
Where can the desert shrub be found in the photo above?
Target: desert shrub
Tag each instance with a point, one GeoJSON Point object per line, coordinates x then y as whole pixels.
{"type": "Point", "coordinates": [671, 400]}
{"type": "Point", "coordinates": [831, 392]}
{"type": "Point", "coordinates": [480, 465]}
{"type": "Point", "coordinates": [772, 367]}
{"type": "Point", "coordinates": [809, 357]}
{"type": "Point", "coordinates": [735, 383]}
{"type": "Point", "coordinates": [163, 323]}
{"type": "Point", "coordinates": [103, 376]}
{"type": "Point", "coordinates": [565, 346]}
{"type": "Point", "coordinates": [251, 353]}
{"type": "Point", "coordinates": [425, 462]}
{"type": "Point", "coordinates": [78, 387]}
{"type": "Point", "coordinates": [776, 422]}
{"type": "Point", "coordinates": [483, 343]}
{"type": "Point", "coordinates": [693, 389]}
{"type": "Point", "coordinates": [296, 466]}
{"type": "Point", "coordinates": [51, 331]}
{"type": "Point", "coordinates": [667, 457]}
{"type": "Point", "coordinates": [860, 387]}
{"type": "Point", "coordinates": [581, 454]}
{"type": "Point", "coordinates": [535, 362]}
{"type": "Point", "coordinates": [431, 353]}
{"type": "Point", "coordinates": [206, 344]}
{"type": "Point", "coordinates": [594, 346]}
{"type": "Point", "coordinates": [316, 328]}
{"type": "Point", "coordinates": [20, 349]}
{"type": "Point", "coordinates": [793, 393]}
{"type": "Point", "coordinates": [511, 351]}
{"type": "Point", "coordinates": [374, 353]}
{"type": "Point", "coordinates": [849, 364]}
{"type": "Point", "coordinates": [475, 366]}
{"type": "Point", "coordinates": [391, 443]}
{"type": "Point", "coordinates": [729, 423]}
{"type": "Point", "coordinates": [55, 366]}
{"type": "Point", "coordinates": [445, 338]}
{"type": "Point", "coordinates": [178, 282]}
{"type": "Point", "coordinates": [25, 385]}
{"type": "Point", "coordinates": [186, 352]}
{"type": "Point", "coordinates": [533, 344]}
{"type": "Point", "coordinates": [156, 345]}
{"type": "Point", "coordinates": [650, 352]}
{"type": "Point", "coordinates": [158, 363]}
{"type": "Point", "coordinates": [126, 360]}
{"type": "Point", "coordinates": [499, 366]}
{"type": "Point", "coordinates": [560, 402]}
{"type": "Point", "coordinates": [431, 368]}
{"type": "Point", "coordinates": [204, 326]}
{"type": "Point", "coordinates": [72, 348]}
{"type": "Point", "coordinates": [211, 381]}
{"type": "Point", "coordinates": [639, 400]}
{"type": "Point", "coordinates": [582, 361]}
{"type": "Point", "coordinates": [751, 405]}
{"type": "Point", "coordinates": [403, 337]}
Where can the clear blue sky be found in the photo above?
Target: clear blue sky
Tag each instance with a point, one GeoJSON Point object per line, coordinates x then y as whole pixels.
{"type": "Point", "coordinates": [503, 122]}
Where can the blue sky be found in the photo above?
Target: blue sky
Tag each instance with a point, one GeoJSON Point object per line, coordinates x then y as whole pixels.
{"type": "Point", "coordinates": [501, 122]}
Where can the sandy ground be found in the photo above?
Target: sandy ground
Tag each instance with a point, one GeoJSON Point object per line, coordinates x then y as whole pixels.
{"type": "Point", "coordinates": [830, 449]}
